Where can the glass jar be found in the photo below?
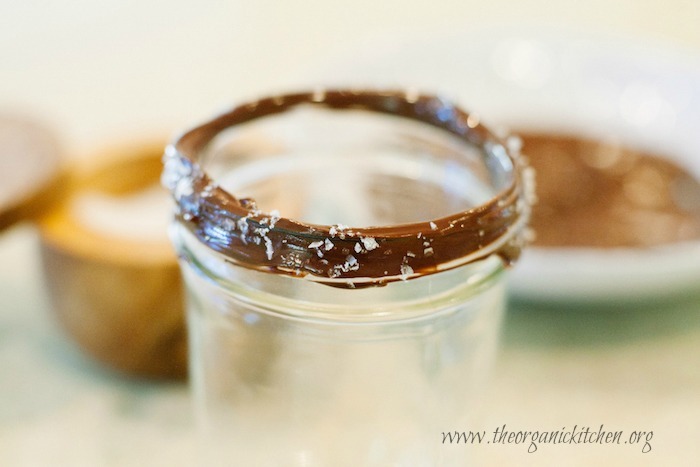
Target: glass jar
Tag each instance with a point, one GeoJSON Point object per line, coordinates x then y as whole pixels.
{"type": "Point", "coordinates": [344, 304]}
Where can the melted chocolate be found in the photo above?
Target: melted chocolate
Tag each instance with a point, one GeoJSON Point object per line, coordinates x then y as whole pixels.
{"type": "Point", "coordinates": [347, 256]}
{"type": "Point", "coordinates": [592, 194]}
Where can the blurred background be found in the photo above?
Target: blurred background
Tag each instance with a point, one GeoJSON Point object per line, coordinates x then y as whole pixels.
{"type": "Point", "coordinates": [86, 66]}
{"type": "Point", "coordinates": [104, 74]}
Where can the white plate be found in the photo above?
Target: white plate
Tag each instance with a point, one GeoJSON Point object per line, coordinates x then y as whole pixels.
{"type": "Point", "coordinates": [643, 95]}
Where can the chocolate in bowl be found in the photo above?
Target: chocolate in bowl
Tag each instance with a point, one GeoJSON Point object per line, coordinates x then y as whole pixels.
{"type": "Point", "coordinates": [603, 195]}
{"type": "Point", "coordinates": [612, 223]}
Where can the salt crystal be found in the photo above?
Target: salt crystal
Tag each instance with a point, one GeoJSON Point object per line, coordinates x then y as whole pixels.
{"type": "Point", "coordinates": [328, 245]}
{"type": "Point", "coordinates": [406, 271]}
{"type": "Point", "coordinates": [242, 224]}
{"type": "Point", "coordinates": [208, 190]}
{"type": "Point", "coordinates": [274, 217]}
{"type": "Point", "coordinates": [268, 248]}
{"type": "Point", "coordinates": [358, 248]}
{"type": "Point", "coordinates": [433, 225]}
{"type": "Point", "coordinates": [341, 230]}
{"type": "Point", "coordinates": [369, 243]}
{"type": "Point", "coordinates": [228, 224]}
{"type": "Point", "coordinates": [317, 244]}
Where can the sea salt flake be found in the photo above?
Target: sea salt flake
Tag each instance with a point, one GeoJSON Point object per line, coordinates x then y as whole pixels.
{"type": "Point", "coordinates": [183, 188]}
{"type": "Point", "coordinates": [317, 244]}
{"type": "Point", "coordinates": [369, 243]}
{"type": "Point", "coordinates": [428, 251]}
{"type": "Point", "coordinates": [335, 271]}
{"type": "Point", "coordinates": [175, 170]}
{"type": "Point", "coordinates": [228, 224]}
{"type": "Point", "coordinates": [410, 254]}
{"type": "Point", "coordinates": [208, 190]}
{"type": "Point", "coordinates": [340, 230]}
{"type": "Point", "coordinates": [328, 245]}
{"type": "Point", "coordinates": [433, 225]}
{"type": "Point", "coordinates": [358, 248]}
{"type": "Point", "coordinates": [293, 260]}
{"type": "Point", "coordinates": [406, 271]}
{"type": "Point", "coordinates": [268, 248]}
{"type": "Point", "coordinates": [242, 224]}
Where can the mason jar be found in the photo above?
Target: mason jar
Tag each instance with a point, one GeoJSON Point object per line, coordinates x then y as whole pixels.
{"type": "Point", "coordinates": [344, 254]}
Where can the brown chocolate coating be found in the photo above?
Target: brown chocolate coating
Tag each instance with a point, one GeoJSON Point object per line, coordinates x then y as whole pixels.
{"type": "Point", "coordinates": [358, 256]}
{"type": "Point", "coordinates": [593, 194]}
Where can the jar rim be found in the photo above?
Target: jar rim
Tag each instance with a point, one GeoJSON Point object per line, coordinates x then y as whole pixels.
{"type": "Point", "coordinates": [345, 256]}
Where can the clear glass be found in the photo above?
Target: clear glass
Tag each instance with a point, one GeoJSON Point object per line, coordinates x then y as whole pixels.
{"type": "Point", "coordinates": [288, 371]}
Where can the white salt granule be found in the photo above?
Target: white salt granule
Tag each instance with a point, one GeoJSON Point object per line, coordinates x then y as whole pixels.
{"type": "Point", "coordinates": [369, 243]}
{"type": "Point", "coordinates": [242, 224]}
{"type": "Point", "coordinates": [268, 248]}
{"type": "Point", "coordinates": [351, 261]}
{"type": "Point", "coordinates": [406, 271]}
{"type": "Point", "coordinates": [228, 224]}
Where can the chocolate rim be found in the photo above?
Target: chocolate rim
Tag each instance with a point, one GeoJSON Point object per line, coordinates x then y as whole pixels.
{"type": "Point", "coordinates": [339, 255]}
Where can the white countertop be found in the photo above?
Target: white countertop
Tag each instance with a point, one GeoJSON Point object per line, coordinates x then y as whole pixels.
{"type": "Point", "coordinates": [100, 72]}
{"type": "Point", "coordinates": [635, 369]}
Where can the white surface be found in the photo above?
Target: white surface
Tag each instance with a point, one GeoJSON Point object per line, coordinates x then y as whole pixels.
{"type": "Point", "coordinates": [101, 71]}
{"type": "Point", "coordinates": [629, 369]}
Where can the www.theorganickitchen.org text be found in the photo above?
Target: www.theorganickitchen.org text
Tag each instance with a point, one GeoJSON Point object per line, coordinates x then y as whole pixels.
{"type": "Point", "coordinates": [567, 436]}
